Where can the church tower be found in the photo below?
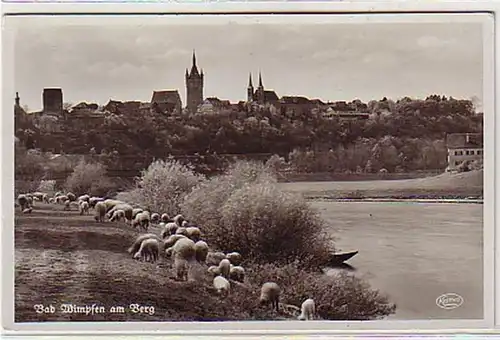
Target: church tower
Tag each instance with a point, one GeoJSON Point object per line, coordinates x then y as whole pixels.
{"type": "Point", "coordinates": [194, 87]}
{"type": "Point", "coordinates": [250, 91]}
{"type": "Point", "coordinates": [260, 90]}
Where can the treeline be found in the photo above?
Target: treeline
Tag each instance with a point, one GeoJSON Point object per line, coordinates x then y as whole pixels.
{"type": "Point", "coordinates": [400, 135]}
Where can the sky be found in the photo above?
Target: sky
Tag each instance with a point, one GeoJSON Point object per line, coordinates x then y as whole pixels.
{"type": "Point", "coordinates": [101, 59]}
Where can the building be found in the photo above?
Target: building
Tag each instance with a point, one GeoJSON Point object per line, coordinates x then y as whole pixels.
{"type": "Point", "coordinates": [166, 101]}
{"type": "Point", "coordinates": [463, 147]}
{"type": "Point", "coordinates": [52, 101]}
{"type": "Point", "coordinates": [194, 87]}
{"type": "Point", "coordinates": [260, 95]}
{"type": "Point", "coordinates": [330, 113]}
{"type": "Point", "coordinates": [295, 105]}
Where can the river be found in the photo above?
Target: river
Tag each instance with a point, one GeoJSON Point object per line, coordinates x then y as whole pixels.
{"type": "Point", "coordinates": [415, 252]}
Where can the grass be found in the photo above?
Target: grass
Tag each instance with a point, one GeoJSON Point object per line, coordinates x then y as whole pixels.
{"type": "Point", "coordinates": [461, 185]}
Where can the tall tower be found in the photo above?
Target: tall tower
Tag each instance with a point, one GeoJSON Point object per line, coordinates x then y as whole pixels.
{"type": "Point", "coordinates": [250, 91]}
{"type": "Point", "coordinates": [18, 100]}
{"type": "Point", "coordinates": [194, 87]}
{"type": "Point", "coordinates": [260, 90]}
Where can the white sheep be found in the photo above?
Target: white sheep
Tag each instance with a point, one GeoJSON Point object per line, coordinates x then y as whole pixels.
{"type": "Point", "coordinates": [270, 293]}
{"type": "Point", "coordinates": [111, 203]}
{"type": "Point", "coordinates": [155, 218]}
{"type": "Point", "coordinates": [181, 231]}
{"type": "Point", "coordinates": [93, 201]}
{"type": "Point", "coordinates": [214, 270]}
{"type": "Point", "coordinates": [22, 200]}
{"type": "Point", "coordinates": [127, 209]}
{"type": "Point", "coordinates": [67, 205]}
{"type": "Point", "coordinates": [194, 233]}
{"type": "Point", "coordinates": [185, 224]}
{"type": "Point", "coordinates": [45, 198]}
{"type": "Point", "coordinates": [225, 268]}
{"type": "Point", "coordinates": [237, 273]}
{"type": "Point", "coordinates": [138, 241]}
{"type": "Point", "coordinates": [184, 254]}
{"type": "Point", "coordinates": [100, 211]}
{"type": "Point", "coordinates": [234, 257]}
{"type": "Point", "coordinates": [149, 250]}
{"type": "Point", "coordinates": [171, 240]}
{"type": "Point", "coordinates": [141, 220]}
{"type": "Point", "coordinates": [165, 218]}
{"type": "Point", "coordinates": [83, 207]}
{"type": "Point", "coordinates": [221, 285]}
{"type": "Point", "coordinates": [71, 196]}
{"type": "Point", "coordinates": [308, 309]}
{"type": "Point", "coordinates": [84, 197]}
{"type": "Point", "coordinates": [214, 258]}
{"type": "Point", "coordinates": [118, 215]}
{"type": "Point", "coordinates": [61, 199]}
{"type": "Point", "coordinates": [28, 210]}
{"type": "Point", "coordinates": [170, 229]}
{"type": "Point", "coordinates": [201, 249]}
{"type": "Point", "coordinates": [136, 211]}
{"type": "Point", "coordinates": [52, 200]}
{"type": "Point", "coordinates": [30, 200]}
{"type": "Point", "coordinates": [178, 220]}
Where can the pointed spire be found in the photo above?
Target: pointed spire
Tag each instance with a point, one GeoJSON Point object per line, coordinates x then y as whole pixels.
{"type": "Point", "coordinates": [194, 58]}
{"type": "Point", "coordinates": [260, 80]}
{"type": "Point", "coordinates": [17, 99]}
{"type": "Point", "coordinates": [250, 80]}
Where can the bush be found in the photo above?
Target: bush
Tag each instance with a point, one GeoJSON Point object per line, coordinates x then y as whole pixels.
{"type": "Point", "coordinates": [163, 186]}
{"type": "Point", "coordinates": [244, 210]}
{"type": "Point", "coordinates": [89, 178]}
{"type": "Point", "coordinates": [29, 170]}
{"type": "Point", "coordinates": [338, 297]}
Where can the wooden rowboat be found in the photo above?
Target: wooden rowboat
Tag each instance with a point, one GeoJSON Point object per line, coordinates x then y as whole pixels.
{"type": "Point", "coordinates": [338, 259]}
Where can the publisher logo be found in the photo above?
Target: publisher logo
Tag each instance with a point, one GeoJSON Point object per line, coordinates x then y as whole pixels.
{"type": "Point", "coordinates": [449, 301]}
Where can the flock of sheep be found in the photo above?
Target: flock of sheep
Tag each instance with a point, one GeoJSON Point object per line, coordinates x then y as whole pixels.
{"type": "Point", "coordinates": [179, 240]}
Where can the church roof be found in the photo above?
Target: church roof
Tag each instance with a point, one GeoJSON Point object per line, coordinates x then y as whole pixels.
{"type": "Point", "coordinates": [294, 100]}
{"type": "Point", "coordinates": [166, 96]}
{"type": "Point", "coordinates": [270, 96]}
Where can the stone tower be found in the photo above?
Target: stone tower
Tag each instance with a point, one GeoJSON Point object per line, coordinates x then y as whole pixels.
{"type": "Point", "coordinates": [250, 91]}
{"type": "Point", "coordinates": [194, 87]}
{"type": "Point", "coordinates": [52, 100]}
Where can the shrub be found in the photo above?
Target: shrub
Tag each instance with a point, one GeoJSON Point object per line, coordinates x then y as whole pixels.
{"type": "Point", "coordinates": [89, 178]}
{"type": "Point", "coordinates": [245, 210]}
{"type": "Point", "coordinates": [338, 297]}
{"type": "Point", "coordinates": [29, 170]}
{"type": "Point", "coordinates": [163, 186]}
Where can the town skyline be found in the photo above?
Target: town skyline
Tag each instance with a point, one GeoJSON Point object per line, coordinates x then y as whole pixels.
{"type": "Point", "coordinates": [128, 63]}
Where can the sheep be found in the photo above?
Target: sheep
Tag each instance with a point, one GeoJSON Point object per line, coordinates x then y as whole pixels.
{"type": "Point", "coordinates": [83, 207]}
{"type": "Point", "coordinates": [214, 258]}
{"type": "Point", "coordinates": [270, 293]}
{"type": "Point", "coordinates": [67, 205]}
{"type": "Point", "coordinates": [117, 215]}
{"type": "Point", "coordinates": [30, 200]}
{"type": "Point", "coordinates": [141, 220]}
{"type": "Point", "coordinates": [225, 267]}
{"type": "Point", "coordinates": [185, 224]}
{"type": "Point", "coordinates": [100, 211]}
{"type": "Point", "coordinates": [308, 309]}
{"type": "Point", "coordinates": [38, 195]}
{"type": "Point", "coordinates": [221, 285]}
{"type": "Point", "coordinates": [181, 231]}
{"type": "Point", "coordinates": [59, 193]}
{"type": "Point", "coordinates": [183, 253]}
{"type": "Point", "coordinates": [149, 250]}
{"type": "Point", "coordinates": [214, 270]}
{"type": "Point", "coordinates": [237, 273]}
{"type": "Point", "coordinates": [22, 200]}
{"type": "Point", "coordinates": [136, 211]}
{"type": "Point", "coordinates": [138, 241]}
{"type": "Point", "coordinates": [155, 218]}
{"type": "Point", "coordinates": [85, 198]}
{"type": "Point", "coordinates": [170, 228]}
{"type": "Point", "coordinates": [171, 240]}
{"type": "Point", "coordinates": [165, 218]}
{"type": "Point", "coordinates": [52, 200]}
{"type": "Point", "coordinates": [193, 233]}
{"type": "Point", "coordinates": [71, 196]}
{"type": "Point", "coordinates": [127, 209]}
{"type": "Point", "coordinates": [234, 258]}
{"type": "Point", "coordinates": [93, 201]}
{"type": "Point", "coordinates": [111, 203]}
{"type": "Point", "coordinates": [27, 210]}
{"type": "Point", "coordinates": [61, 199]}
{"type": "Point", "coordinates": [178, 220]}
{"type": "Point", "coordinates": [45, 198]}
{"type": "Point", "coordinates": [201, 249]}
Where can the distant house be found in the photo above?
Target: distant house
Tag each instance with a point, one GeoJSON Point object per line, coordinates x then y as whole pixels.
{"type": "Point", "coordinates": [211, 104]}
{"type": "Point", "coordinates": [345, 115]}
{"type": "Point", "coordinates": [295, 105]}
{"type": "Point", "coordinates": [166, 101]}
{"type": "Point", "coordinates": [463, 147]}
